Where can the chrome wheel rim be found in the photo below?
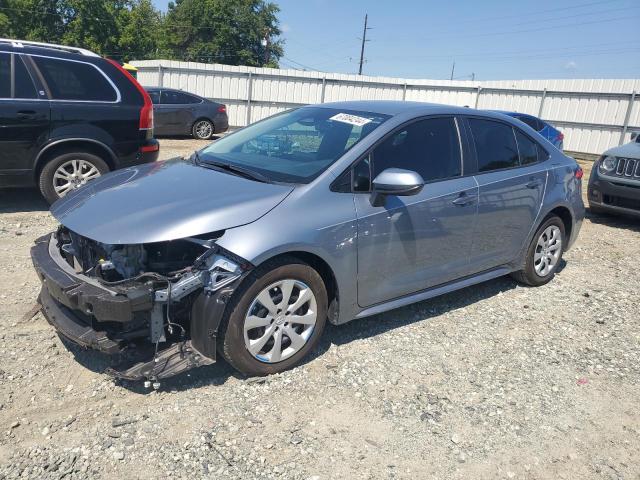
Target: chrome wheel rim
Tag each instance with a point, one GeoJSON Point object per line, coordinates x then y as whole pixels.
{"type": "Point", "coordinates": [548, 250]}
{"type": "Point", "coordinates": [73, 174]}
{"type": "Point", "coordinates": [280, 321]}
{"type": "Point", "coordinates": [204, 129]}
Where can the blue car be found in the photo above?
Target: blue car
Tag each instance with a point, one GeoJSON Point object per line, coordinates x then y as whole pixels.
{"type": "Point", "coordinates": [324, 213]}
{"type": "Point", "coordinates": [545, 129]}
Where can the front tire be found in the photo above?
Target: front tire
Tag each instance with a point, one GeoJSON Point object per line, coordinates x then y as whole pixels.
{"type": "Point", "coordinates": [544, 254]}
{"type": "Point", "coordinates": [68, 171]}
{"type": "Point", "coordinates": [275, 318]}
{"type": "Point", "coordinates": [202, 130]}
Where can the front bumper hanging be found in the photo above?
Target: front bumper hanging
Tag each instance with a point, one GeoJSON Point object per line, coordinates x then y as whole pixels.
{"type": "Point", "coordinates": [112, 319]}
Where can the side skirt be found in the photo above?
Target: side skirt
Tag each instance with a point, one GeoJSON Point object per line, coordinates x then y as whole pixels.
{"type": "Point", "coordinates": [435, 291]}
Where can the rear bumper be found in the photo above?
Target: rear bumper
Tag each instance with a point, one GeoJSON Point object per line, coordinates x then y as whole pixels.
{"type": "Point", "coordinates": [614, 196]}
{"type": "Point", "coordinates": [147, 152]}
{"type": "Point", "coordinates": [220, 123]}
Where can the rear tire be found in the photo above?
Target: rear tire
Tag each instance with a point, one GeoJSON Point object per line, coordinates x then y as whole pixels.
{"type": "Point", "coordinates": [76, 167]}
{"type": "Point", "coordinates": [544, 254]}
{"type": "Point", "coordinates": [202, 130]}
{"type": "Point", "coordinates": [236, 334]}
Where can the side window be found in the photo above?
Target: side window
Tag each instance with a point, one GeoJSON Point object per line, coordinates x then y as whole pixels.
{"type": "Point", "coordinates": [155, 96]}
{"type": "Point", "coordinates": [430, 147]}
{"type": "Point", "coordinates": [69, 80]}
{"type": "Point", "coordinates": [24, 87]}
{"type": "Point", "coordinates": [177, 98]}
{"type": "Point", "coordinates": [5, 75]}
{"type": "Point", "coordinates": [495, 145]}
{"type": "Point", "coordinates": [528, 149]}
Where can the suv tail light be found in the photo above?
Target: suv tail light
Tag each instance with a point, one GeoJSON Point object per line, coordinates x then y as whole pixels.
{"type": "Point", "coordinates": [560, 136]}
{"type": "Point", "coordinates": [579, 173]}
{"type": "Point", "coordinates": [146, 113]}
{"type": "Point", "coordinates": [222, 108]}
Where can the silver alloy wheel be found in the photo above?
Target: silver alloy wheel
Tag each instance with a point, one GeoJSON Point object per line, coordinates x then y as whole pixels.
{"type": "Point", "coordinates": [204, 129]}
{"type": "Point", "coordinates": [73, 174]}
{"type": "Point", "coordinates": [280, 321]}
{"type": "Point", "coordinates": [548, 250]}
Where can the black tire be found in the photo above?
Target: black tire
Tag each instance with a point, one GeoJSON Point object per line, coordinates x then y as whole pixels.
{"type": "Point", "coordinates": [45, 180]}
{"type": "Point", "coordinates": [202, 121]}
{"type": "Point", "coordinates": [231, 341]}
{"type": "Point", "coordinates": [528, 275]}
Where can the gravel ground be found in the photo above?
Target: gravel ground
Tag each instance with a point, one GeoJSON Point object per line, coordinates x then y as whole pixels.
{"type": "Point", "coordinates": [495, 381]}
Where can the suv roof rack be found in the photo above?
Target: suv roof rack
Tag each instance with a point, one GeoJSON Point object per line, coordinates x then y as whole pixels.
{"type": "Point", "coordinates": [65, 48]}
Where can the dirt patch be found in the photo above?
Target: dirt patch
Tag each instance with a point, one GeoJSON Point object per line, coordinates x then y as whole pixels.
{"type": "Point", "coordinates": [495, 381]}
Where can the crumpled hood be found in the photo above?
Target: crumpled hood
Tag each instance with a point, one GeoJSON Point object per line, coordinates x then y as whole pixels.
{"type": "Point", "coordinates": [628, 150]}
{"type": "Point", "coordinates": [164, 201]}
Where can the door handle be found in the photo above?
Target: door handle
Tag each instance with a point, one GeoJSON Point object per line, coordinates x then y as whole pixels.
{"type": "Point", "coordinates": [534, 184]}
{"type": "Point", "coordinates": [464, 199]}
{"type": "Point", "coordinates": [26, 115]}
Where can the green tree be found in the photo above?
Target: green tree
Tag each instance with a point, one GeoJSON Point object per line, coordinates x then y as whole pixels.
{"type": "Point", "coordinates": [223, 31]}
{"type": "Point", "coordinates": [140, 32]}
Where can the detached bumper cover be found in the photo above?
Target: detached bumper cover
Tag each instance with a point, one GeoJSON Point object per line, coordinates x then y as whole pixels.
{"type": "Point", "coordinates": [93, 316]}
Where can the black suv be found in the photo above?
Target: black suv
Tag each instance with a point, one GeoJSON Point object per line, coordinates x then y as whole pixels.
{"type": "Point", "coordinates": [67, 116]}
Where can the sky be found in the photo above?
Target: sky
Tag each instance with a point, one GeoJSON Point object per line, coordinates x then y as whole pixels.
{"type": "Point", "coordinates": [489, 39]}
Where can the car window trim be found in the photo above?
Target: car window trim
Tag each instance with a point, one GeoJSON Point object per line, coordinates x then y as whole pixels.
{"type": "Point", "coordinates": [115, 89]}
{"type": "Point", "coordinates": [12, 73]}
{"type": "Point", "coordinates": [513, 127]}
{"type": "Point", "coordinates": [349, 170]}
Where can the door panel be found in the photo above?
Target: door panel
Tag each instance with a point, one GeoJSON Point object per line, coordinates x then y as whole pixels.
{"type": "Point", "coordinates": [413, 243]}
{"type": "Point", "coordinates": [24, 127]}
{"type": "Point", "coordinates": [509, 204]}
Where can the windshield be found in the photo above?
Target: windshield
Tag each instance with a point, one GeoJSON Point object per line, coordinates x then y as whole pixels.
{"type": "Point", "coordinates": [295, 146]}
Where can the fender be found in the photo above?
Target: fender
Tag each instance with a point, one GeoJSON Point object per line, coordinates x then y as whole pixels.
{"type": "Point", "coordinates": [112, 156]}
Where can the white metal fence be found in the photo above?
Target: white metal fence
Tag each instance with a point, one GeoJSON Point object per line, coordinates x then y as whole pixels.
{"type": "Point", "coordinates": [593, 114]}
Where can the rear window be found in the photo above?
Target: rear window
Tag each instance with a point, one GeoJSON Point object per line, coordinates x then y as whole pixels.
{"type": "Point", "coordinates": [154, 95]}
{"type": "Point", "coordinates": [495, 145]}
{"type": "Point", "coordinates": [5, 76]}
{"type": "Point", "coordinates": [532, 122]}
{"type": "Point", "coordinates": [70, 80]}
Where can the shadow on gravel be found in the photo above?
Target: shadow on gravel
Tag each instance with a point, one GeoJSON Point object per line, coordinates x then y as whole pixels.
{"type": "Point", "coordinates": [16, 200]}
{"type": "Point", "coordinates": [614, 221]}
{"type": "Point", "coordinates": [220, 372]}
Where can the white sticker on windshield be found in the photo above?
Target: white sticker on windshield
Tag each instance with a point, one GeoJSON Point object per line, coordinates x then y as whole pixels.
{"type": "Point", "coordinates": [350, 119]}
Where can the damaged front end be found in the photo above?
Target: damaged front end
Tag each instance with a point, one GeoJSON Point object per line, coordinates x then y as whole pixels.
{"type": "Point", "coordinates": [157, 305]}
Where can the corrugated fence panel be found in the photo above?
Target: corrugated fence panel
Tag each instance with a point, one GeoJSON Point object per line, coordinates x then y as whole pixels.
{"type": "Point", "coordinates": [592, 113]}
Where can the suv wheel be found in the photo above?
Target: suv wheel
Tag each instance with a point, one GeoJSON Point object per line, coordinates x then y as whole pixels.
{"type": "Point", "coordinates": [202, 130]}
{"type": "Point", "coordinates": [276, 317]}
{"type": "Point", "coordinates": [68, 171]}
{"type": "Point", "coordinates": [544, 253]}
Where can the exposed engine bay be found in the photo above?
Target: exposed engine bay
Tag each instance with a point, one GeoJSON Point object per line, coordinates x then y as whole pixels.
{"type": "Point", "coordinates": [161, 294]}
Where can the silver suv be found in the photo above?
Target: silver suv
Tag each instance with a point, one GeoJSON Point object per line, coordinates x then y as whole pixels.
{"type": "Point", "coordinates": [323, 213]}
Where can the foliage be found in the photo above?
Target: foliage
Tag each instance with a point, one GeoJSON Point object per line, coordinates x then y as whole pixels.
{"type": "Point", "coordinates": [220, 31]}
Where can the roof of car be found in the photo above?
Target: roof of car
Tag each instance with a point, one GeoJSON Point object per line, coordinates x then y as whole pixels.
{"type": "Point", "coordinates": [50, 49]}
{"type": "Point", "coordinates": [396, 107]}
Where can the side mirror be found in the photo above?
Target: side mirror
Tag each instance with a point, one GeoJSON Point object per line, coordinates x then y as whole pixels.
{"type": "Point", "coordinates": [395, 181]}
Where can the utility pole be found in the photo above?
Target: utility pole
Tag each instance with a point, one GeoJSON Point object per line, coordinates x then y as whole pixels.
{"type": "Point", "coordinates": [364, 39]}
{"type": "Point", "coordinates": [453, 69]}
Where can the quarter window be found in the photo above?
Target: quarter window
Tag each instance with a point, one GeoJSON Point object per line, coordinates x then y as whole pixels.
{"type": "Point", "coordinates": [69, 80]}
{"type": "Point", "coordinates": [429, 147]}
{"type": "Point", "coordinates": [529, 150]}
{"type": "Point", "coordinates": [495, 145]}
{"type": "Point", "coordinates": [5, 76]}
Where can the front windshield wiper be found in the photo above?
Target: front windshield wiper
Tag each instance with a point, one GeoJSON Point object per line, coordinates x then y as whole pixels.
{"type": "Point", "coordinates": [231, 168]}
